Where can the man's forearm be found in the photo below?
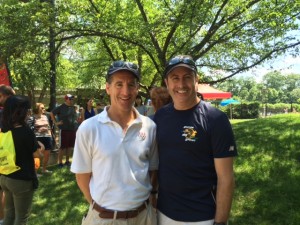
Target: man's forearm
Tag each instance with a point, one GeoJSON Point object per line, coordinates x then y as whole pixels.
{"type": "Point", "coordinates": [154, 183]}
{"type": "Point", "coordinates": [224, 197]}
{"type": "Point", "coordinates": [83, 182]}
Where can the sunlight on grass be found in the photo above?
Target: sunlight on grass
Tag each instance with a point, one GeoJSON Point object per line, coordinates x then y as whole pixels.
{"type": "Point", "coordinates": [267, 171]}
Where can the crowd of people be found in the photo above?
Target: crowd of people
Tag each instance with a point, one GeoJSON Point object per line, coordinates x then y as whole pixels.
{"type": "Point", "coordinates": [173, 166]}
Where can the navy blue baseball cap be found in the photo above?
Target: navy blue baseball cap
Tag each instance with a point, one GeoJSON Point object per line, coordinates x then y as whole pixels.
{"type": "Point", "coordinates": [123, 65]}
{"type": "Point", "coordinates": [180, 60]}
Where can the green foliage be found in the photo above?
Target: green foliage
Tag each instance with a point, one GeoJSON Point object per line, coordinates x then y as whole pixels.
{"type": "Point", "coordinates": [274, 88]}
{"type": "Point", "coordinates": [242, 111]}
{"type": "Point", "coordinates": [221, 35]}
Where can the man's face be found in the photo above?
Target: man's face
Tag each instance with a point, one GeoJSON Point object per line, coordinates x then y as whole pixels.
{"type": "Point", "coordinates": [182, 85]}
{"type": "Point", "coordinates": [3, 99]}
{"type": "Point", "coordinates": [122, 90]}
{"type": "Point", "coordinates": [69, 101]}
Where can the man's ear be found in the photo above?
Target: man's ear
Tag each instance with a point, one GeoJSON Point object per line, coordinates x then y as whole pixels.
{"type": "Point", "coordinates": [166, 82]}
{"type": "Point", "coordinates": [107, 86]}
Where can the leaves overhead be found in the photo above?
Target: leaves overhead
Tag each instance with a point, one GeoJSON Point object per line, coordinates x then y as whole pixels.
{"type": "Point", "coordinates": [232, 36]}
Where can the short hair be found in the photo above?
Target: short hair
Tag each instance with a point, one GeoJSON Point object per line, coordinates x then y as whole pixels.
{"type": "Point", "coordinates": [6, 90]}
{"type": "Point", "coordinates": [15, 112]}
{"type": "Point", "coordinates": [159, 97]}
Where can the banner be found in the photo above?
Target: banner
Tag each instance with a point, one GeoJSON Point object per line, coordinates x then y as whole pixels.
{"type": "Point", "coordinates": [4, 76]}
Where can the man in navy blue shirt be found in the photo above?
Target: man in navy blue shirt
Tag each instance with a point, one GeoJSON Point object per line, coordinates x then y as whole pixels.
{"type": "Point", "coordinates": [196, 150]}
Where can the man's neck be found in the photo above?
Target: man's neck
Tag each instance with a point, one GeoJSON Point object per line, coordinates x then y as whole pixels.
{"type": "Point", "coordinates": [124, 119]}
{"type": "Point", "coordinates": [185, 105]}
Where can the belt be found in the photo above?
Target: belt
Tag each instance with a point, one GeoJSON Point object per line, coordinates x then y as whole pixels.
{"type": "Point", "coordinates": [109, 214]}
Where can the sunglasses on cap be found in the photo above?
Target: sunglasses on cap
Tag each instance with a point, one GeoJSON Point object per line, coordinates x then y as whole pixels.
{"type": "Point", "coordinates": [181, 59]}
{"type": "Point", "coordinates": [122, 65]}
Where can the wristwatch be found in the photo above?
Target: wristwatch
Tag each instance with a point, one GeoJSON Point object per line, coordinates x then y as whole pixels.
{"type": "Point", "coordinates": [221, 223]}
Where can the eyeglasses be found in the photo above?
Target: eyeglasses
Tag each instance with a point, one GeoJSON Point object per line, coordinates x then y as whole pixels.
{"type": "Point", "coordinates": [123, 64]}
{"type": "Point", "coordinates": [182, 59]}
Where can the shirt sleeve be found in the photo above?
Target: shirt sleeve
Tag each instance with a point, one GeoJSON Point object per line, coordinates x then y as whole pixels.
{"type": "Point", "coordinates": [82, 156]}
{"type": "Point", "coordinates": [222, 138]}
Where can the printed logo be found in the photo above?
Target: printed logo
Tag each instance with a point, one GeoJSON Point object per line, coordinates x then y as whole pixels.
{"type": "Point", "coordinates": [142, 136]}
{"type": "Point", "coordinates": [189, 133]}
{"type": "Point", "coordinates": [231, 148]}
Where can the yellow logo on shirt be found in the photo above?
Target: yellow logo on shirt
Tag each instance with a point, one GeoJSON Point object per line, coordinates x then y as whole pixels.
{"type": "Point", "coordinates": [189, 133]}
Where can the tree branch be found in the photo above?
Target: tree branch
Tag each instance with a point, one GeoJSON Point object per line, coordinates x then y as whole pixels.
{"type": "Point", "coordinates": [266, 56]}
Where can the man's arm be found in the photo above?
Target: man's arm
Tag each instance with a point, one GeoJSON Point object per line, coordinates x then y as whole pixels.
{"type": "Point", "coordinates": [83, 182]}
{"type": "Point", "coordinates": [54, 120]}
{"type": "Point", "coordinates": [225, 188]}
{"type": "Point", "coordinates": [154, 183]}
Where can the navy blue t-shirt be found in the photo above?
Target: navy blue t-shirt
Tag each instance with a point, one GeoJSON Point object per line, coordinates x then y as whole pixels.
{"type": "Point", "coordinates": [188, 142]}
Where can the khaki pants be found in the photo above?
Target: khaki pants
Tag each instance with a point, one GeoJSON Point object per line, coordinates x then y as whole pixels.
{"type": "Point", "coordinates": [164, 220]}
{"type": "Point", "coordinates": [146, 217]}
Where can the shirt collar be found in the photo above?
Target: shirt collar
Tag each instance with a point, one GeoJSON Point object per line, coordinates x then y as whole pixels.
{"type": "Point", "coordinates": [104, 118]}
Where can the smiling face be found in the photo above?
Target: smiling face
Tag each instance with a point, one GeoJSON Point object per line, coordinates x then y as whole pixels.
{"type": "Point", "coordinates": [182, 85]}
{"type": "Point", "coordinates": [122, 89]}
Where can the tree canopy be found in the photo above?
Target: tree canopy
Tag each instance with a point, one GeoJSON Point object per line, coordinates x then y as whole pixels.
{"type": "Point", "coordinates": [232, 36]}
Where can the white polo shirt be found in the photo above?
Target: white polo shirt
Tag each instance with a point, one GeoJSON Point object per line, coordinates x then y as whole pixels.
{"type": "Point", "coordinates": [119, 162]}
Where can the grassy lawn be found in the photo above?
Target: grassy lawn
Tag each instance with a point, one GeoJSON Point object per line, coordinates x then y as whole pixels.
{"type": "Point", "coordinates": [267, 179]}
{"type": "Point", "coordinates": [267, 171]}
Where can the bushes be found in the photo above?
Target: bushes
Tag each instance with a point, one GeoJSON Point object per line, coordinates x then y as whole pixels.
{"type": "Point", "coordinates": [255, 110]}
{"type": "Point", "coordinates": [280, 108]}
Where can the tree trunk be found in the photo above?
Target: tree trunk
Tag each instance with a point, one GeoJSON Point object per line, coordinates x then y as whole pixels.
{"type": "Point", "coordinates": [52, 59]}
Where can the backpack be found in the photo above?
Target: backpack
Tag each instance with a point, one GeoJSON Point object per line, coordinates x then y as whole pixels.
{"type": "Point", "coordinates": [7, 154]}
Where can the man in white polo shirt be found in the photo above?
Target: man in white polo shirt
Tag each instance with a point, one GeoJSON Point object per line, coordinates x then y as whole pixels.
{"type": "Point", "coordinates": [114, 154]}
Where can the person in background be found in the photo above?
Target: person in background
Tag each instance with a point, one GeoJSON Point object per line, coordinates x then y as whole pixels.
{"type": "Point", "coordinates": [67, 124]}
{"type": "Point", "coordinates": [114, 153]}
{"type": "Point", "coordinates": [196, 149]}
{"type": "Point", "coordinates": [140, 107]}
{"type": "Point", "coordinates": [42, 131]}
{"type": "Point", "coordinates": [19, 186]}
{"type": "Point", "coordinates": [99, 107]}
{"type": "Point", "coordinates": [5, 92]}
{"type": "Point", "coordinates": [37, 158]}
{"type": "Point", "coordinates": [159, 97]}
{"type": "Point", "coordinates": [79, 110]}
{"type": "Point", "coordinates": [88, 111]}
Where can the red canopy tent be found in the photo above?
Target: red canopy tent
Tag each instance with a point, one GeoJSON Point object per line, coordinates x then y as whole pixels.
{"type": "Point", "coordinates": [209, 92]}
{"type": "Point", "coordinates": [4, 75]}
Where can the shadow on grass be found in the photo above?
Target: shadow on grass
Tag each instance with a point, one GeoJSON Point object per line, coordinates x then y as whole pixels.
{"type": "Point", "coordinates": [267, 171]}
{"type": "Point", "coordinates": [58, 200]}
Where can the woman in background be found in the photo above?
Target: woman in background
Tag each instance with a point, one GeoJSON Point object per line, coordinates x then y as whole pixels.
{"type": "Point", "coordinates": [88, 111]}
{"type": "Point", "coordinates": [42, 132]}
{"type": "Point", "coordinates": [19, 186]}
{"type": "Point", "coordinates": [138, 104]}
{"type": "Point", "coordinates": [159, 97]}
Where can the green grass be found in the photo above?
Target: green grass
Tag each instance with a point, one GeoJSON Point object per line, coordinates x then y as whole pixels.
{"type": "Point", "coordinates": [58, 201]}
{"type": "Point", "coordinates": [267, 171]}
{"type": "Point", "coordinates": [267, 174]}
